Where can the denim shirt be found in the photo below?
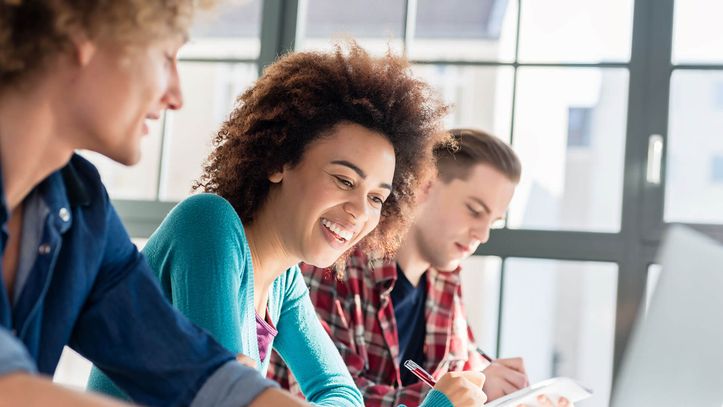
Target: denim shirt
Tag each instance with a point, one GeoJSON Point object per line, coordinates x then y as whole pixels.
{"type": "Point", "coordinates": [88, 287]}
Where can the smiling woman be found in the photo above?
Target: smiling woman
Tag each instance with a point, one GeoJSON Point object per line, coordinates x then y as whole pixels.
{"type": "Point", "coordinates": [298, 100]}
{"type": "Point", "coordinates": [322, 153]}
{"type": "Point", "coordinates": [333, 197]}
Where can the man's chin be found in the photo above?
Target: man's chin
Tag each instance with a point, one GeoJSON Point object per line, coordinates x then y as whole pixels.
{"type": "Point", "coordinates": [448, 266]}
{"type": "Point", "coordinates": [128, 159]}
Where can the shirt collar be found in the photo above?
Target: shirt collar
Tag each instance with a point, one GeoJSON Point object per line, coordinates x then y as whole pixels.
{"type": "Point", "coordinates": [375, 273]}
{"type": "Point", "coordinates": [386, 271]}
{"type": "Point", "coordinates": [4, 214]}
{"type": "Point", "coordinates": [64, 187]}
{"type": "Point", "coordinates": [60, 191]}
{"type": "Point", "coordinates": [452, 276]}
{"type": "Point", "coordinates": [76, 190]}
{"type": "Point", "coordinates": [383, 273]}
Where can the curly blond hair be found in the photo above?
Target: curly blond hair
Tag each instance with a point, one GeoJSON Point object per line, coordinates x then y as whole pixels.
{"type": "Point", "coordinates": [32, 31]}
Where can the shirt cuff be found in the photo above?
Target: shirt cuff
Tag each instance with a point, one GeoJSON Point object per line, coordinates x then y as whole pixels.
{"type": "Point", "coordinates": [233, 384]}
{"type": "Point", "coordinates": [13, 355]}
{"type": "Point", "coordinates": [436, 398]}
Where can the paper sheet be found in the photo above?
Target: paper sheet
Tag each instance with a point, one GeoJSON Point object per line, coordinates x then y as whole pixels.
{"type": "Point", "coordinates": [553, 388]}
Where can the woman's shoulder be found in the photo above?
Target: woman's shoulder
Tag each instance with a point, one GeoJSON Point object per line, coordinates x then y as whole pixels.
{"type": "Point", "coordinates": [202, 231]}
{"type": "Point", "coordinates": [202, 220]}
{"type": "Point", "coordinates": [206, 205]}
{"type": "Point", "coordinates": [204, 213]}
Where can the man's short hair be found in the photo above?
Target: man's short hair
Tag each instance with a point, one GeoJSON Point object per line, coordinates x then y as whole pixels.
{"type": "Point", "coordinates": [472, 147]}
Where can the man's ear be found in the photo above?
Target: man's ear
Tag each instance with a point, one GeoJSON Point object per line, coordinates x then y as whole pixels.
{"type": "Point", "coordinates": [83, 48]}
{"type": "Point", "coordinates": [425, 190]}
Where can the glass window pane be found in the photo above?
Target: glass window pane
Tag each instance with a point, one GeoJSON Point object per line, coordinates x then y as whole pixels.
{"type": "Point", "coordinates": [576, 30]}
{"type": "Point", "coordinates": [697, 32]}
{"type": "Point", "coordinates": [465, 30]}
{"type": "Point", "coordinates": [209, 91]}
{"type": "Point", "coordinates": [481, 294]}
{"type": "Point", "coordinates": [694, 169]}
{"type": "Point", "coordinates": [560, 317]}
{"type": "Point", "coordinates": [73, 370]}
{"type": "Point", "coordinates": [138, 181]}
{"type": "Point", "coordinates": [229, 30]}
{"type": "Point", "coordinates": [569, 131]}
{"type": "Point", "coordinates": [481, 97]}
{"type": "Point", "coordinates": [651, 283]}
{"type": "Point", "coordinates": [140, 242]}
{"type": "Point", "coordinates": [374, 24]}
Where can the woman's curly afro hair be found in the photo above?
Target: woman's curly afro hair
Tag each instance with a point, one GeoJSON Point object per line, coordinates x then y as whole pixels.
{"type": "Point", "coordinates": [298, 100]}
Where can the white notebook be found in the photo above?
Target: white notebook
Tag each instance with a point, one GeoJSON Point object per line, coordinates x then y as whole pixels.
{"type": "Point", "coordinates": [553, 388]}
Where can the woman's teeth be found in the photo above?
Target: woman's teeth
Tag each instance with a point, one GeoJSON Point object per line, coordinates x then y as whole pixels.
{"type": "Point", "coordinates": [337, 230]}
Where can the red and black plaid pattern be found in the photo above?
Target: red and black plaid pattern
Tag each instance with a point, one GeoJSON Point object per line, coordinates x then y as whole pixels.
{"type": "Point", "coordinates": [357, 312]}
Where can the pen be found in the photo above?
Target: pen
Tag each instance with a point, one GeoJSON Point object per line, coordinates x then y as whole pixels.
{"type": "Point", "coordinates": [484, 355]}
{"type": "Point", "coordinates": [422, 374]}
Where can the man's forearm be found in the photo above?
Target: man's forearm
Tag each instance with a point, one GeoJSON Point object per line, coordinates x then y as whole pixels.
{"type": "Point", "coordinates": [275, 397]}
{"type": "Point", "coordinates": [22, 389]}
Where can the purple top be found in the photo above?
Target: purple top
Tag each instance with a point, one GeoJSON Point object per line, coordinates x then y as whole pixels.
{"type": "Point", "coordinates": [265, 332]}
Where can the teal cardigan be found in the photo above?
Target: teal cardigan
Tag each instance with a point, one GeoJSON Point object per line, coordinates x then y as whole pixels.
{"type": "Point", "coordinates": [203, 261]}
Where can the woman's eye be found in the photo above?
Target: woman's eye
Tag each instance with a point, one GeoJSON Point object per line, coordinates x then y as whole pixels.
{"type": "Point", "coordinates": [345, 182]}
{"type": "Point", "coordinates": [377, 201]}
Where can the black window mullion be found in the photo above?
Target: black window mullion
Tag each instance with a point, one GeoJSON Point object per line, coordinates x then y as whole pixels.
{"type": "Point", "coordinates": [642, 201]}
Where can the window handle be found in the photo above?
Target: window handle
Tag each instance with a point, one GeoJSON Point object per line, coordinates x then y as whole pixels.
{"type": "Point", "coordinates": [655, 159]}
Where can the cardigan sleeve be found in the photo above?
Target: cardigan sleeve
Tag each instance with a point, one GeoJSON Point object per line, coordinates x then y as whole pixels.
{"type": "Point", "coordinates": [309, 352]}
{"type": "Point", "coordinates": [199, 254]}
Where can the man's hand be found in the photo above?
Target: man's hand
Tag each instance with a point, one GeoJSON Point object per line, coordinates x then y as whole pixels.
{"type": "Point", "coordinates": [505, 376]}
{"type": "Point", "coordinates": [21, 389]}
{"type": "Point", "coordinates": [277, 398]}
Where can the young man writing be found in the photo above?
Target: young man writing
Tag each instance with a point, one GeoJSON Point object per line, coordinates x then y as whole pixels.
{"type": "Point", "coordinates": [381, 314]}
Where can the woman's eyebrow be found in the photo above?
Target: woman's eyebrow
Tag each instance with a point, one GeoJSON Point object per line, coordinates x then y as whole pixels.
{"type": "Point", "coordinates": [353, 166]}
{"type": "Point", "coordinates": [359, 171]}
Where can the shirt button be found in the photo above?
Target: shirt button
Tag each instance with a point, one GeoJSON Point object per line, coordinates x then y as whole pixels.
{"type": "Point", "coordinates": [44, 249]}
{"type": "Point", "coordinates": [64, 214]}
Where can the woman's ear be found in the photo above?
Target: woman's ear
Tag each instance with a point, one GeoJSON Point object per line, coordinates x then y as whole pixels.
{"type": "Point", "coordinates": [276, 177]}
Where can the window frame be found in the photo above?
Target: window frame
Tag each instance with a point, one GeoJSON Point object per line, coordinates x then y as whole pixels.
{"type": "Point", "coordinates": [633, 248]}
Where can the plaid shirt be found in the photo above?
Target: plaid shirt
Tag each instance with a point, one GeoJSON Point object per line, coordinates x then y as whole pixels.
{"type": "Point", "coordinates": [358, 314]}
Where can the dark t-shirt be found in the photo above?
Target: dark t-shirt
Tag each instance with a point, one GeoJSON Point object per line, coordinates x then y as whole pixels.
{"type": "Point", "coordinates": [408, 302]}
